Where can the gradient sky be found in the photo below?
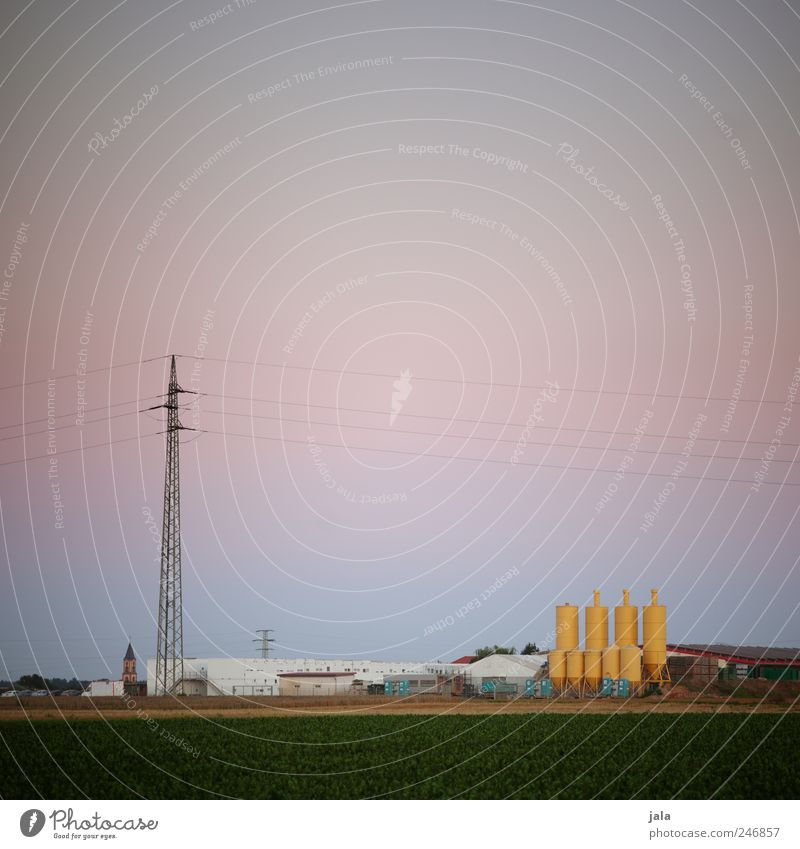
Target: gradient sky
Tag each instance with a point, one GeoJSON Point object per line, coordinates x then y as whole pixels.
{"type": "Point", "coordinates": [597, 198]}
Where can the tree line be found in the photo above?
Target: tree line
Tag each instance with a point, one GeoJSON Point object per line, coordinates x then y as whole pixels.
{"type": "Point", "coordinates": [530, 648]}
{"type": "Point", "coordinates": [37, 682]}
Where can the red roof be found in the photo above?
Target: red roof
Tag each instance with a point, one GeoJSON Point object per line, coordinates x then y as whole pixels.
{"type": "Point", "coordinates": [468, 658]}
{"type": "Point", "coordinates": [752, 655]}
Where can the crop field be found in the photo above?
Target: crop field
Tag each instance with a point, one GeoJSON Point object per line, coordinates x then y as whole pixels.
{"type": "Point", "coordinates": [422, 756]}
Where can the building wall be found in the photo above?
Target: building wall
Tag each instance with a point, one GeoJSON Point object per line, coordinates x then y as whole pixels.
{"type": "Point", "coordinates": [105, 688]}
{"type": "Point", "coordinates": [322, 686]}
{"type": "Point", "coordinates": [216, 676]}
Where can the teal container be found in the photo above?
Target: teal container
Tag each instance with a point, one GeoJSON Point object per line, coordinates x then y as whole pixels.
{"type": "Point", "coordinates": [546, 688]}
{"type": "Point", "coordinates": [607, 687]}
{"type": "Point", "coordinates": [623, 688]}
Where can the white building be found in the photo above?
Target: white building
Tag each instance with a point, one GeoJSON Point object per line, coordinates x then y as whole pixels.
{"type": "Point", "coordinates": [231, 676]}
{"type": "Point", "coordinates": [104, 687]}
{"type": "Point", "coordinates": [510, 668]}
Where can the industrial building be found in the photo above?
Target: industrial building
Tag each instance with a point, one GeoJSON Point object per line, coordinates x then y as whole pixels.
{"type": "Point", "coordinates": [104, 687]}
{"type": "Point", "coordinates": [220, 676]}
{"type": "Point", "coordinates": [228, 676]}
{"type": "Point", "coordinates": [718, 660]}
{"type": "Point", "coordinates": [509, 674]}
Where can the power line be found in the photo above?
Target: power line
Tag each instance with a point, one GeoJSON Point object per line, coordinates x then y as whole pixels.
{"type": "Point", "coordinates": [501, 462]}
{"type": "Point", "coordinates": [67, 427]}
{"type": "Point", "coordinates": [88, 371]}
{"type": "Point", "coordinates": [73, 450]}
{"type": "Point", "coordinates": [405, 432]}
{"type": "Point", "coordinates": [490, 422]}
{"type": "Point", "coordinates": [75, 412]}
{"type": "Point", "coordinates": [484, 438]}
{"type": "Point", "coordinates": [491, 384]}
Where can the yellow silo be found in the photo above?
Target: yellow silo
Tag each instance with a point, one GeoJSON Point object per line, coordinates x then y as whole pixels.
{"type": "Point", "coordinates": [596, 625]}
{"type": "Point", "coordinates": [593, 667]}
{"type": "Point", "coordinates": [630, 664]}
{"type": "Point", "coordinates": [567, 637]}
{"type": "Point", "coordinates": [558, 668]}
{"type": "Point", "coordinates": [575, 669]}
{"type": "Point", "coordinates": [654, 637]}
{"type": "Point", "coordinates": [626, 622]}
{"type": "Point", "coordinates": [610, 662]}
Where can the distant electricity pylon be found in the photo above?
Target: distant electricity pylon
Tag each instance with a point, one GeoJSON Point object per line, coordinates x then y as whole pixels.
{"type": "Point", "coordinates": [169, 655]}
{"type": "Point", "coordinates": [264, 640]}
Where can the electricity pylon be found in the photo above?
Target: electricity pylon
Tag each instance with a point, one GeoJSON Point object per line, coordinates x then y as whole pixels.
{"type": "Point", "coordinates": [264, 640]}
{"type": "Point", "coordinates": [169, 656]}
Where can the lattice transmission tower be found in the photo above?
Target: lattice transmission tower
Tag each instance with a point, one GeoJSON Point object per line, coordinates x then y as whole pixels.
{"type": "Point", "coordinates": [169, 655]}
{"type": "Point", "coordinates": [264, 640]}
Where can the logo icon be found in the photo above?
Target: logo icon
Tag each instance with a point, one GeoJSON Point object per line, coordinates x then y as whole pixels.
{"type": "Point", "coordinates": [402, 389]}
{"type": "Point", "coordinates": [31, 822]}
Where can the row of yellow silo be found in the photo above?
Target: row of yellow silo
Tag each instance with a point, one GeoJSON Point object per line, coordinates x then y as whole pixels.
{"type": "Point", "coordinates": [580, 670]}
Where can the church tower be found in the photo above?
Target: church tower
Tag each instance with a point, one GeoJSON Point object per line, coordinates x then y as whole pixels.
{"type": "Point", "coordinates": [130, 681]}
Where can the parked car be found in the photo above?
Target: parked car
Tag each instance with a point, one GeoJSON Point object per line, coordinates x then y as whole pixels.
{"type": "Point", "coordinates": [23, 693]}
{"type": "Point", "coordinates": [10, 693]}
{"type": "Point", "coordinates": [40, 693]}
{"type": "Point", "coordinates": [72, 692]}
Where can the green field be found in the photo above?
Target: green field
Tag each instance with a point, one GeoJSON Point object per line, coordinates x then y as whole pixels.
{"type": "Point", "coordinates": [433, 757]}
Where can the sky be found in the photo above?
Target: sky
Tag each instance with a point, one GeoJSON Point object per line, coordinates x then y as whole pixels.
{"type": "Point", "coordinates": [486, 305]}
